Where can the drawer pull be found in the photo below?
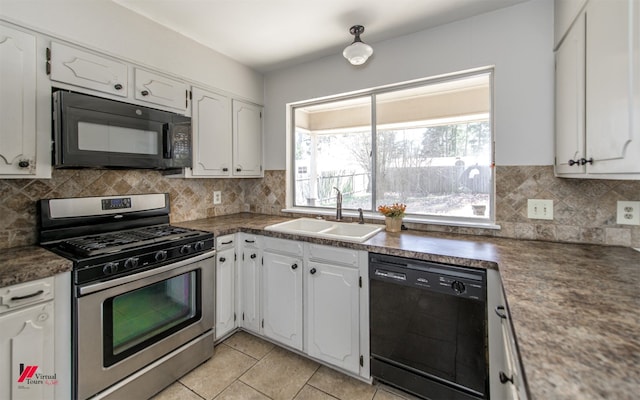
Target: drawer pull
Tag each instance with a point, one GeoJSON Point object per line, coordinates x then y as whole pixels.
{"type": "Point", "coordinates": [229, 242]}
{"type": "Point", "coordinates": [312, 271]}
{"type": "Point", "coordinates": [249, 241]}
{"type": "Point", "coordinates": [27, 296]}
{"type": "Point", "coordinates": [500, 312]}
{"type": "Point", "coordinates": [222, 259]}
{"type": "Point", "coordinates": [253, 255]}
{"type": "Point", "coordinates": [294, 266]}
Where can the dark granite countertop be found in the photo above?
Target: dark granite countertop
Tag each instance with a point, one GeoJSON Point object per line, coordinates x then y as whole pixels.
{"type": "Point", "coordinates": [575, 308]}
{"type": "Point", "coordinates": [28, 263]}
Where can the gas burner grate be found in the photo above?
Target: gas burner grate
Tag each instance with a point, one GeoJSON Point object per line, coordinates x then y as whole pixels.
{"type": "Point", "coordinates": [116, 241]}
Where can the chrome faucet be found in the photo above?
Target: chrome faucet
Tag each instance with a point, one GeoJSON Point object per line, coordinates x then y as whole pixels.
{"type": "Point", "coordinates": [338, 205]}
{"type": "Point", "coordinates": [360, 216]}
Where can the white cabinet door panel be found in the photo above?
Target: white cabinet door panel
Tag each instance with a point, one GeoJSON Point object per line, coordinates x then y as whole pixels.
{"type": "Point", "coordinates": [613, 86]}
{"type": "Point", "coordinates": [161, 90]}
{"type": "Point", "coordinates": [249, 273]}
{"type": "Point", "coordinates": [85, 69]}
{"type": "Point", "coordinates": [570, 98]}
{"type": "Point", "coordinates": [225, 292]}
{"type": "Point", "coordinates": [17, 102]}
{"type": "Point", "coordinates": [282, 298]}
{"type": "Point", "coordinates": [247, 139]}
{"type": "Point", "coordinates": [333, 314]}
{"type": "Point", "coordinates": [26, 339]}
{"type": "Point", "coordinates": [211, 124]}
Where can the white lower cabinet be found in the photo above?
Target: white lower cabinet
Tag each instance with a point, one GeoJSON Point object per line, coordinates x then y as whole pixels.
{"type": "Point", "coordinates": [282, 293]}
{"type": "Point", "coordinates": [505, 372]}
{"type": "Point", "coordinates": [308, 297]}
{"type": "Point", "coordinates": [332, 314]}
{"type": "Point", "coordinates": [249, 276]}
{"type": "Point", "coordinates": [27, 370]}
{"type": "Point", "coordinates": [225, 291]}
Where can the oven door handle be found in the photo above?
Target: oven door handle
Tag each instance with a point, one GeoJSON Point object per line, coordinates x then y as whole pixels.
{"type": "Point", "coordinates": [84, 290]}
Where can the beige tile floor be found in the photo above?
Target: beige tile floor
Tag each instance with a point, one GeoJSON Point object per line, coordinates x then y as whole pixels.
{"type": "Point", "coordinates": [247, 367]}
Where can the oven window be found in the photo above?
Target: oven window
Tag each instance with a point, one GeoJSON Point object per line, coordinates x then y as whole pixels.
{"type": "Point", "coordinates": [116, 139]}
{"type": "Point", "coordinates": [139, 318]}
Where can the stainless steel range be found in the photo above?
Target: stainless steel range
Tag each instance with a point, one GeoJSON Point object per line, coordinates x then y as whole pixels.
{"type": "Point", "coordinates": [143, 292]}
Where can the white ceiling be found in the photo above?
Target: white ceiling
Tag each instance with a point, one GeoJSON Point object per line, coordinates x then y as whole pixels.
{"type": "Point", "coordinates": [271, 34]}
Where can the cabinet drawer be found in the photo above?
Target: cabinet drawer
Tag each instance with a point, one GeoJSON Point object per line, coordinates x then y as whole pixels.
{"type": "Point", "coordinates": [225, 242]}
{"type": "Point", "coordinates": [275, 245]}
{"type": "Point", "coordinates": [88, 70]}
{"type": "Point", "coordinates": [23, 294]}
{"type": "Point", "coordinates": [340, 256]}
{"type": "Point", "coordinates": [248, 240]}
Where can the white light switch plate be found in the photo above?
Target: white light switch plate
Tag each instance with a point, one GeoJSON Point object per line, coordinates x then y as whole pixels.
{"type": "Point", "coordinates": [540, 209]}
{"type": "Point", "coordinates": [217, 197]}
{"type": "Point", "coordinates": [628, 213]}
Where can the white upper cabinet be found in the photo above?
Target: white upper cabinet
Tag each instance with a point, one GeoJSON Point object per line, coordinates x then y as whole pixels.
{"type": "Point", "coordinates": [25, 106]}
{"type": "Point", "coordinates": [613, 86]}
{"type": "Point", "coordinates": [161, 90]}
{"type": "Point", "coordinates": [247, 139]}
{"type": "Point", "coordinates": [82, 68]}
{"type": "Point", "coordinates": [598, 93]}
{"type": "Point", "coordinates": [565, 12]}
{"type": "Point", "coordinates": [211, 125]}
{"type": "Point", "coordinates": [570, 98]}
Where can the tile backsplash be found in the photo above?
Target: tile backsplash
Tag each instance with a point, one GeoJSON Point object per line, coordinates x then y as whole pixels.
{"type": "Point", "coordinates": [584, 209]}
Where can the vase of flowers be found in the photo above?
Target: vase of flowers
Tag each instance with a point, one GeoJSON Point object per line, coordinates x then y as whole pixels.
{"type": "Point", "coordinates": [393, 216]}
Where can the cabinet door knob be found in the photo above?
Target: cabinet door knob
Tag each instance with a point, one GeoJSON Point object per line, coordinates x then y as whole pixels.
{"type": "Point", "coordinates": [500, 312]}
{"type": "Point", "coordinates": [253, 255]}
{"type": "Point", "coordinates": [504, 378]}
{"type": "Point", "coordinates": [222, 259]}
{"type": "Point", "coordinates": [294, 266]}
{"type": "Point", "coordinates": [573, 162]}
{"type": "Point", "coordinates": [117, 86]}
{"type": "Point", "coordinates": [312, 271]}
{"type": "Point", "coordinates": [584, 161]}
{"type": "Point", "coordinates": [225, 169]}
{"type": "Point", "coordinates": [144, 93]}
{"type": "Point", "coordinates": [23, 164]}
{"type": "Point", "coordinates": [238, 169]}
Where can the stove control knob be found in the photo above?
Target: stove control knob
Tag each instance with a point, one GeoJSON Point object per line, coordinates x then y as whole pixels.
{"type": "Point", "coordinates": [131, 263]}
{"type": "Point", "coordinates": [161, 255]}
{"type": "Point", "coordinates": [458, 287]}
{"type": "Point", "coordinates": [186, 249]}
{"type": "Point", "coordinates": [199, 246]}
{"type": "Point", "coordinates": [110, 268]}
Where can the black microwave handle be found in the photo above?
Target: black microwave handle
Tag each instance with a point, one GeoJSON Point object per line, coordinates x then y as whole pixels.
{"type": "Point", "coordinates": [166, 141]}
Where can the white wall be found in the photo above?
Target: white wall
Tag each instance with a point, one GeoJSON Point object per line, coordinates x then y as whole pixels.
{"type": "Point", "coordinates": [105, 26]}
{"type": "Point", "coordinates": [518, 40]}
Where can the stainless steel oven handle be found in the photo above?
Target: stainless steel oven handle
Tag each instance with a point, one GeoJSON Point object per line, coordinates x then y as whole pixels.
{"type": "Point", "coordinates": [128, 278]}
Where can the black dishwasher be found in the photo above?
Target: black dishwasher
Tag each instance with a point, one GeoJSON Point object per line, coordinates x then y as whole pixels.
{"type": "Point", "coordinates": [428, 327]}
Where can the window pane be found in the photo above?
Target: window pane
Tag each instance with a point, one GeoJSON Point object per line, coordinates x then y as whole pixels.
{"type": "Point", "coordinates": [434, 148]}
{"type": "Point", "coordinates": [333, 150]}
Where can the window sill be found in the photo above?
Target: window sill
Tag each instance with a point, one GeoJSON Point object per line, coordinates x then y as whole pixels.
{"type": "Point", "coordinates": [314, 212]}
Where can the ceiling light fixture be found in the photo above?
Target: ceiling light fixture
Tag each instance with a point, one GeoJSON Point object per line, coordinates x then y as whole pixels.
{"type": "Point", "coordinates": [357, 52]}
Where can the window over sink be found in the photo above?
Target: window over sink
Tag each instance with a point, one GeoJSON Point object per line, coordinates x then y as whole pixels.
{"type": "Point", "coordinates": [426, 143]}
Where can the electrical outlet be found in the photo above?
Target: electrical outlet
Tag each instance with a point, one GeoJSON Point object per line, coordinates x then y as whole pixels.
{"type": "Point", "coordinates": [217, 197]}
{"type": "Point", "coordinates": [540, 209]}
{"type": "Point", "coordinates": [628, 213]}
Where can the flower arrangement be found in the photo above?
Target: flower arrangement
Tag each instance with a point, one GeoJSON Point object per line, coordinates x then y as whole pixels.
{"type": "Point", "coordinates": [395, 210]}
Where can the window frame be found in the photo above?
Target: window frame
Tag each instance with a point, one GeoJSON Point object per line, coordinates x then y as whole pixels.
{"type": "Point", "coordinates": [488, 222]}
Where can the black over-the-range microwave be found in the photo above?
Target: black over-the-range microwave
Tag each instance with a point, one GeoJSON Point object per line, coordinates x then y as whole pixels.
{"type": "Point", "coordinates": [92, 132]}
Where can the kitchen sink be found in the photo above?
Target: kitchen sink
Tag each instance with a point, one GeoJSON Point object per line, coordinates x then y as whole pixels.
{"type": "Point", "coordinates": [352, 232]}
